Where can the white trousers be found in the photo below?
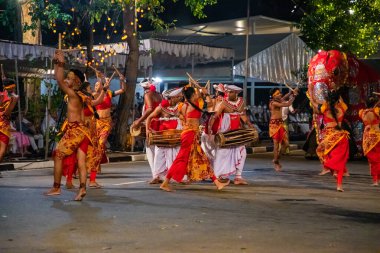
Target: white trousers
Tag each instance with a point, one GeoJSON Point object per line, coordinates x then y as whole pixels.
{"type": "Point", "coordinates": [163, 159]}
{"type": "Point", "coordinates": [229, 161]}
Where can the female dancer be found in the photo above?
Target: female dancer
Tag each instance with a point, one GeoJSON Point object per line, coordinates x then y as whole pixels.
{"type": "Point", "coordinates": [103, 123]}
{"type": "Point", "coordinates": [191, 160]}
{"type": "Point", "coordinates": [371, 137]}
{"type": "Point", "coordinates": [333, 150]}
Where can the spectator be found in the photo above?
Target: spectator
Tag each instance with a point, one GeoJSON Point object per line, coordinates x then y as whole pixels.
{"type": "Point", "coordinates": [34, 135]}
{"type": "Point", "coordinates": [51, 125]}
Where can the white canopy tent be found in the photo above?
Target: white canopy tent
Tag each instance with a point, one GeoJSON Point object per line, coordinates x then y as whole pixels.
{"type": "Point", "coordinates": [168, 53]}
{"type": "Point", "coordinates": [278, 62]}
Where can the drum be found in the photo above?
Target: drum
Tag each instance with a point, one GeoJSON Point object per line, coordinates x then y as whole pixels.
{"type": "Point", "coordinates": [166, 138]}
{"type": "Point", "coordinates": [139, 131]}
{"type": "Point", "coordinates": [236, 137]}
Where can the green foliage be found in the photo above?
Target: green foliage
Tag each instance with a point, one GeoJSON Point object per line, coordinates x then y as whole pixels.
{"type": "Point", "coordinates": [45, 13]}
{"type": "Point", "coordinates": [73, 12]}
{"type": "Point", "coordinates": [8, 12]}
{"type": "Point", "coordinates": [347, 25]}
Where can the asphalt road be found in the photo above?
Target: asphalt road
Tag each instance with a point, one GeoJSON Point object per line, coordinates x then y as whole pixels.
{"type": "Point", "coordinates": [292, 211]}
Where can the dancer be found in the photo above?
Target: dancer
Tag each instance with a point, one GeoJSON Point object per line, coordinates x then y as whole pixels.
{"type": "Point", "coordinates": [276, 125]}
{"type": "Point", "coordinates": [77, 136]}
{"type": "Point", "coordinates": [151, 100]}
{"type": "Point", "coordinates": [333, 150]}
{"type": "Point", "coordinates": [167, 114]}
{"type": "Point", "coordinates": [371, 137]}
{"type": "Point", "coordinates": [8, 101]}
{"type": "Point", "coordinates": [191, 160]}
{"type": "Point", "coordinates": [94, 155]}
{"type": "Point", "coordinates": [230, 161]}
{"type": "Point", "coordinates": [104, 123]}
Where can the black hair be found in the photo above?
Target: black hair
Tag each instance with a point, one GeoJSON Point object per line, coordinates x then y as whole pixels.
{"type": "Point", "coordinates": [272, 91]}
{"type": "Point", "coordinates": [188, 93]}
{"type": "Point", "coordinates": [182, 84]}
{"type": "Point", "coordinates": [371, 101]}
{"type": "Point", "coordinates": [79, 74]}
{"type": "Point", "coordinates": [332, 98]}
{"type": "Point", "coordinates": [220, 93]}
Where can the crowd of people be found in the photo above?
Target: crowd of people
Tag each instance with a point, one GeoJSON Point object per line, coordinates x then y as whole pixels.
{"type": "Point", "coordinates": [190, 134]}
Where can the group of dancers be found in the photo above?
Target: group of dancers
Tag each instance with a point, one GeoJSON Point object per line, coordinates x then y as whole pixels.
{"type": "Point", "coordinates": [192, 116]}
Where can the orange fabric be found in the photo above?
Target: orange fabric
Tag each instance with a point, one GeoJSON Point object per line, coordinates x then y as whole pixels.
{"type": "Point", "coordinates": [103, 128]}
{"type": "Point", "coordinates": [277, 130]}
{"type": "Point", "coordinates": [371, 135]}
{"type": "Point", "coordinates": [74, 135]}
{"type": "Point", "coordinates": [332, 138]}
{"type": "Point", "coordinates": [191, 160]}
{"type": "Point", "coordinates": [5, 126]}
{"type": "Point", "coordinates": [94, 156]}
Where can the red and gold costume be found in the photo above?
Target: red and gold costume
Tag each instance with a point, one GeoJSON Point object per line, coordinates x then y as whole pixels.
{"type": "Point", "coordinates": [371, 140]}
{"type": "Point", "coordinates": [94, 156]}
{"type": "Point", "coordinates": [76, 135]}
{"type": "Point", "coordinates": [277, 130]}
{"type": "Point", "coordinates": [333, 150]}
{"type": "Point", "coordinates": [104, 125]}
{"type": "Point", "coordinates": [5, 124]}
{"type": "Point", "coordinates": [191, 160]}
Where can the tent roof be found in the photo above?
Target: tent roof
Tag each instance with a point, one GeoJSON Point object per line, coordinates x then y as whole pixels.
{"type": "Point", "coordinates": [279, 62]}
{"type": "Point", "coordinates": [258, 25]}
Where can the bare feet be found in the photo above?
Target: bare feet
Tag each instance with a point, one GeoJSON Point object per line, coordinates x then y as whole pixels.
{"type": "Point", "coordinates": [339, 188]}
{"type": "Point", "coordinates": [81, 193]}
{"type": "Point", "coordinates": [346, 174]}
{"type": "Point", "coordinates": [221, 185]}
{"type": "Point", "coordinates": [94, 185]}
{"type": "Point", "coordinates": [277, 165]}
{"type": "Point", "coordinates": [53, 191]}
{"type": "Point", "coordinates": [324, 172]}
{"type": "Point", "coordinates": [166, 187]}
{"type": "Point", "coordinates": [375, 183]}
{"type": "Point", "coordinates": [69, 185]}
{"type": "Point", "coordinates": [155, 181]}
{"type": "Point", "coordinates": [240, 181]}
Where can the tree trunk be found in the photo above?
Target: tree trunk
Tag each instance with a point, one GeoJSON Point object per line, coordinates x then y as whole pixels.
{"type": "Point", "coordinates": [130, 71]}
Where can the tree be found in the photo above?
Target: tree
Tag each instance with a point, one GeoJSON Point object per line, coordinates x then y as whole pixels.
{"type": "Point", "coordinates": [347, 25]}
{"type": "Point", "coordinates": [75, 16]}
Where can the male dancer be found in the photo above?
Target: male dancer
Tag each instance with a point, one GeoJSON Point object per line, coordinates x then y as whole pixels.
{"type": "Point", "coordinates": [276, 125]}
{"type": "Point", "coordinates": [77, 136]}
{"type": "Point", "coordinates": [167, 114]}
{"type": "Point", "coordinates": [151, 100]}
{"type": "Point", "coordinates": [230, 161]}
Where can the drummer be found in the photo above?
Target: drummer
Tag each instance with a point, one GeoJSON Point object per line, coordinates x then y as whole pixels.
{"type": "Point", "coordinates": [151, 100]}
{"type": "Point", "coordinates": [167, 114]}
{"type": "Point", "coordinates": [230, 161]}
{"type": "Point", "coordinates": [207, 141]}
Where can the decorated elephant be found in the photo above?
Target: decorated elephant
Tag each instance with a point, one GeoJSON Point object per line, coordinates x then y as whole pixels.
{"type": "Point", "coordinates": [335, 70]}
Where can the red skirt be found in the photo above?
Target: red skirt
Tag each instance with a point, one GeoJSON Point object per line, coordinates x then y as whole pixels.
{"type": "Point", "coordinates": [373, 157]}
{"type": "Point", "coordinates": [179, 167]}
{"type": "Point", "coordinates": [337, 158]}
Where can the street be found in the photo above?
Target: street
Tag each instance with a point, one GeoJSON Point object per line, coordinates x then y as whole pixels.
{"type": "Point", "coordinates": [292, 211]}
